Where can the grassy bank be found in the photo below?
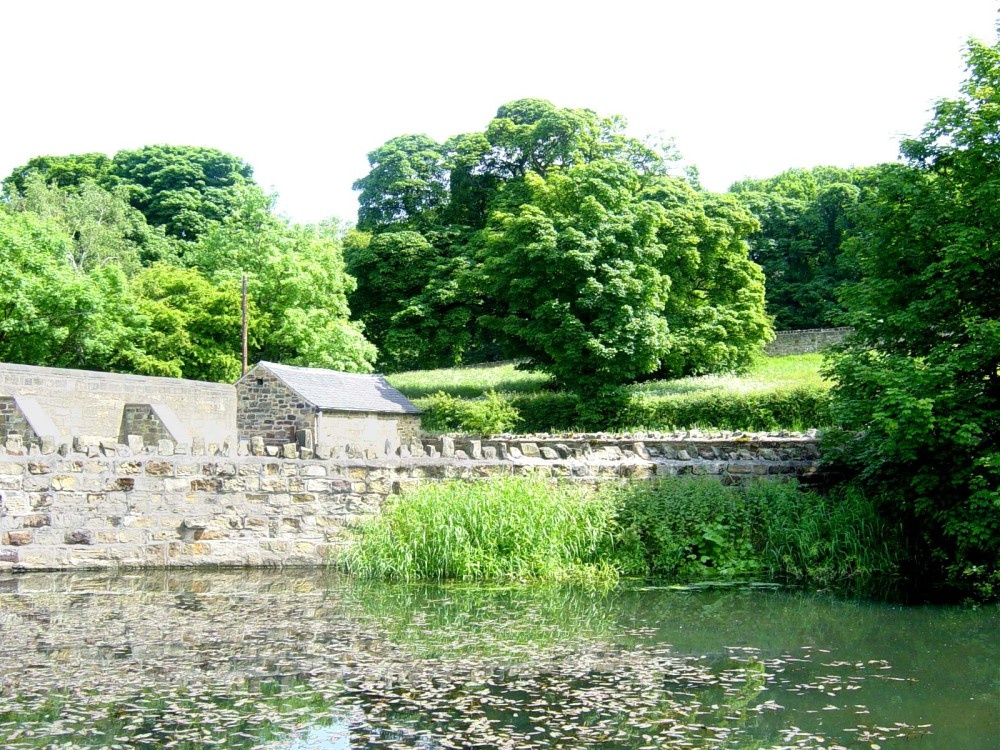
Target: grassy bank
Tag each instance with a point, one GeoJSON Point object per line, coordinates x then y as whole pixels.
{"type": "Point", "coordinates": [781, 393]}
{"type": "Point", "coordinates": [517, 529]}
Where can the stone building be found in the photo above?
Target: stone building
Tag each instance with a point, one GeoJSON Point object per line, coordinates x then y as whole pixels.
{"type": "Point", "coordinates": [339, 413]}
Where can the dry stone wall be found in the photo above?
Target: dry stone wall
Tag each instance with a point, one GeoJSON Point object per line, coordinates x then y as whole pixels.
{"type": "Point", "coordinates": [808, 341]}
{"type": "Point", "coordinates": [108, 505]}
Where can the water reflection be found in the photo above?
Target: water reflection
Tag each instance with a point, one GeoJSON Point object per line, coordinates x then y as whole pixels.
{"type": "Point", "coordinates": [303, 659]}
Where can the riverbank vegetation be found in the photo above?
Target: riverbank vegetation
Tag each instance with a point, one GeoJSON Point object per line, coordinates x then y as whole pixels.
{"type": "Point", "coordinates": [520, 529]}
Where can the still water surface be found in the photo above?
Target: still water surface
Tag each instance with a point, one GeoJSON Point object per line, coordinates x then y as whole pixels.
{"type": "Point", "coordinates": [302, 660]}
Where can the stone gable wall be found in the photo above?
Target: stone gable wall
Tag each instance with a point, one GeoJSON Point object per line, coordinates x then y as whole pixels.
{"type": "Point", "coordinates": [269, 409]}
{"type": "Point", "coordinates": [13, 423]}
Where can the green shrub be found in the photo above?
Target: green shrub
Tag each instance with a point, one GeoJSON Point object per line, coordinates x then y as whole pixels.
{"type": "Point", "coordinates": [694, 527]}
{"type": "Point", "coordinates": [685, 527]}
{"type": "Point", "coordinates": [782, 408]}
{"type": "Point", "coordinates": [491, 414]}
{"type": "Point", "coordinates": [509, 529]}
{"type": "Point", "coordinates": [547, 411]}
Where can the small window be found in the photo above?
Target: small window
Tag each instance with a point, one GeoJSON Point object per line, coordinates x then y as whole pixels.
{"type": "Point", "coordinates": [260, 381]}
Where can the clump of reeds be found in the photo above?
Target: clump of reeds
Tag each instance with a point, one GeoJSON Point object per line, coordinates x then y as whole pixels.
{"type": "Point", "coordinates": [678, 527]}
{"type": "Point", "coordinates": [507, 529]}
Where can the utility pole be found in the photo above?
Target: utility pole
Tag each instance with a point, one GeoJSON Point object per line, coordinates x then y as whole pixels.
{"type": "Point", "coordinates": [244, 324]}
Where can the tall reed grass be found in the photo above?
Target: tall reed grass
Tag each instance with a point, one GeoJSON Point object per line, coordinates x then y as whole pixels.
{"type": "Point", "coordinates": [503, 529]}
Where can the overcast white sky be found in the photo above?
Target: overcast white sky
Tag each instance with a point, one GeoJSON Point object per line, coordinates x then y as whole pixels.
{"type": "Point", "coordinates": [303, 90]}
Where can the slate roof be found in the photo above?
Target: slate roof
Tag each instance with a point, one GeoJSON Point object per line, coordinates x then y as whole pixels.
{"type": "Point", "coordinates": [330, 390]}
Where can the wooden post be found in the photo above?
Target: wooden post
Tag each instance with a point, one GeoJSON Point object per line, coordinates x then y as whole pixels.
{"type": "Point", "coordinates": [244, 324]}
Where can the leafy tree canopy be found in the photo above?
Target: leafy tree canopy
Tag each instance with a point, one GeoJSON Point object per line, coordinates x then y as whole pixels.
{"type": "Point", "coordinates": [805, 217]}
{"type": "Point", "coordinates": [134, 264]}
{"type": "Point", "coordinates": [918, 385]}
{"type": "Point", "coordinates": [182, 189]}
{"type": "Point", "coordinates": [554, 237]}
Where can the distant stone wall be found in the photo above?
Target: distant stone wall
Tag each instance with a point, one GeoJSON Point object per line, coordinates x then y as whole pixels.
{"type": "Point", "coordinates": [92, 403]}
{"type": "Point", "coordinates": [806, 341]}
{"type": "Point", "coordinates": [108, 506]}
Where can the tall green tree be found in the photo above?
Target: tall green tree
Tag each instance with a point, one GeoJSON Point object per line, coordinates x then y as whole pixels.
{"type": "Point", "coordinates": [421, 315]}
{"type": "Point", "coordinates": [102, 227]}
{"type": "Point", "coordinates": [536, 237]}
{"type": "Point", "coordinates": [55, 313]}
{"type": "Point", "coordinates": [298, 281]}
{"type": "Point", "coordinates": [408, 181]}
{"type": "Point", "coordinates": [575, 274]}
{"type": "Point", "coordinates": [184, 189]}
{"type": "Point", "coordinates": [918, 384]}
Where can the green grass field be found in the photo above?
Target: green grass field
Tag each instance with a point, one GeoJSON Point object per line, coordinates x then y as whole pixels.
{"type": "Point", "coordinates": [780, 393]}
{"type": "Point", "coordinates": [794, 371]}
{"type": "Point", "coordinates": [469, 382]}
{"type": "Point", "coordinates": [800, 370]}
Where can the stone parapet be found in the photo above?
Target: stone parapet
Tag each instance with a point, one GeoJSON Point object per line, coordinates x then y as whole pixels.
{"type": "Point", "coordinates": [113, 508]}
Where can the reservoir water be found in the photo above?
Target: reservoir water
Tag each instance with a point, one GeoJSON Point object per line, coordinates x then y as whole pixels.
{"type": "Point", "coordinates": [303, 659]}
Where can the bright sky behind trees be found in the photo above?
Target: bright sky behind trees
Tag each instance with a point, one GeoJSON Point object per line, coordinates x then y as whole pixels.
{"type": "Point", "coordinates": [303, 90]}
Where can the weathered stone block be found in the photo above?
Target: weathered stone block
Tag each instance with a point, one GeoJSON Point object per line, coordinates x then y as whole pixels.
{"type": "Point", "coordinates": [159, 469]}
{"type": "Point", "coordinates": [63, 483]}
{"type": "Point", "coordinates": [530, 450]}
{"type": "Point", "coordinates": [80, 536]}
{"type": "Point", "coordinates": [15, 538]}
{"type": "Point", "coordinates": [36, 520]}
{"type": "Point", "coordinates": [447, 447]}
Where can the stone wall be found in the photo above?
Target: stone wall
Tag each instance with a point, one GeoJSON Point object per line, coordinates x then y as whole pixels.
{"type": "Point", "coordinates": [112, 507]}
{"type": "Point", "coordinates": [805, 342]}
{"type": "Point", "coordinates": [91, 403]}
{"type": "Point", "coordinates": [363, 434]}
{"type": "Point", "coordinates": [12, 422]}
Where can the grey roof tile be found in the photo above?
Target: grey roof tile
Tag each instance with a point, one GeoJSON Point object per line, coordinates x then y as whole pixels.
{"type": "Point", "coordinates": [341, 391]}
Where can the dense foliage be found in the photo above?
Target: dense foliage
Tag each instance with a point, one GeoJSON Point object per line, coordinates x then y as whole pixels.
{"type": "Point", "coordinates": [552, 238]}
{"type": "Point", "coordinates": [134, 264]}
{"type": "Point", "coordinates": [805, 217]}
{"type": "Point", "coordinates": [692, 528]}
{"type": "Point", "coordinates": [918, 385]}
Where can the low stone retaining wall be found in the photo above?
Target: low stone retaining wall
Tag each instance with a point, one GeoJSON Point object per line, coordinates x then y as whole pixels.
{"type": "Point", "coordinates": [109, 507]}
